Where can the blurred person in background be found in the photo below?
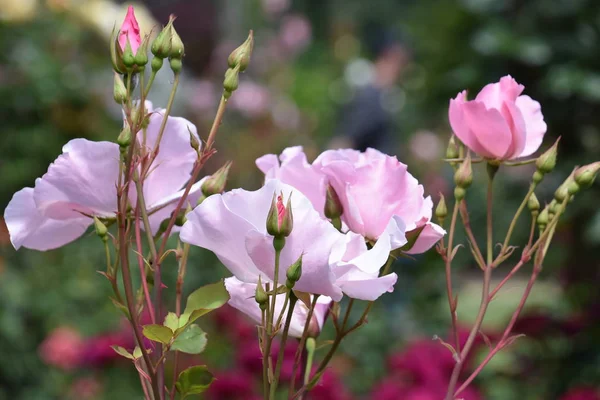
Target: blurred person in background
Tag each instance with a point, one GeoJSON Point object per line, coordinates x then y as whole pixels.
{"type": "Point", "coordinates": [364, 121]}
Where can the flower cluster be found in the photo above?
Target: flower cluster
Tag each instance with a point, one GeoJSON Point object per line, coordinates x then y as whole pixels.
{"type": "Point", "coordinates": [312, 234]}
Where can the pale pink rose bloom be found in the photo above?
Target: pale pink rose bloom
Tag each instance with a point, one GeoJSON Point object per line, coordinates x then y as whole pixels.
{"type": "Point", "coordinates": [500, 123]}
{"type": "Point", "coordinates": [82, 182]}
{"type": "Point", "coordinates": [292, 168]}
{"type": "Point", "coordinates": [357, 269]}
{"type": "Point", "coordinates": [242, 297]}
{"type": "Point", "coordinates": [130, 29]}
{"type": "Point", "coordinates": [62, 348]}
{"type": "Point", "coordinates": [374, 188]}
{"type": "Point", "coordinates": [233, 226]}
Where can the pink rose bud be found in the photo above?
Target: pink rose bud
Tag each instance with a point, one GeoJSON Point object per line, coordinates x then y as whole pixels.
{"type": "Point", "coordinates": [280, 220]}
{"type": "Point", "coordinates": [130, 31]}
{"type": "Point", "coordinates": [500, 123]}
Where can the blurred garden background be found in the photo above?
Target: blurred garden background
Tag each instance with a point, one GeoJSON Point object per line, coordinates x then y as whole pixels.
{"type": "Point", "coordinates": [313, 60]}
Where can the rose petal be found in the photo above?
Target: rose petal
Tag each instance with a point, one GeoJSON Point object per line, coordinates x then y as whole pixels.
{"type": "Point", "coordinates": [29, 228]}
{"type": "Point", "coordinates": [81, 180]}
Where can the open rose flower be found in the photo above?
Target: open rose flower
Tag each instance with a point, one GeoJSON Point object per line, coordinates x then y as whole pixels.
{"type": "Point", "coordinates": [375, 190]}
{"type": "Point", "coordinates": [500, 123]}
{"type": "Point", "coordinates": [130, 30]}
{"type": "Point", "coordinates": [291, 167]}
{"type": "Point", "coordinates": [242, 298]}
{"type": "Point", "coordinates": [82, 183]}
{"type": "Point", "coordinates": [233, 226]}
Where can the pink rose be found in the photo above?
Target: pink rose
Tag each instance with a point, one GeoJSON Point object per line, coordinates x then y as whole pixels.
{"type": "Point", "coordinates": [130, 30]}
{"type": "Point", "coordinates": [499, 124]}
{"type": "Point", "coordinates": [374, 189]}
{"type": "Point", "coordinates": [82, 182]}
{"type": "Point", "coordinates": [291, 167]}
{"type": "Point", "coordinates": [233, 226]}
{"type": "Point", "coordinates": [63, 349]}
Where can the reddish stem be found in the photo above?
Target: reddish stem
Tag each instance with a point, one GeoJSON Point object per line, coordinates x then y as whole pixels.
{"type": "Point", "coordinates": [141, 264]}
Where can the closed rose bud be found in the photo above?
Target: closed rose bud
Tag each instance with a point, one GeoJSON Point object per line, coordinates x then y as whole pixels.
{"type": "Point", "coordinates": [260, 295]}
{"type": "Point", "coordinates": [240, 57]}
{"type": "Point", "coordinates": [280, 220]}
{"type": "Point", "coordinates": [333, 205]}
{"type": "Point", "coordinates": [441, 211]}
{"type": "Point", "coordinates": [215, 184]}
{"type": "Point", "coordinates": [130, 32]}
{"type": "Point", "coordinates": [100, 229]}
{"type": "Point", "coordinates": [177, 48]}
{"type": "Point", "coordinates": [294, 273]}
{"type": "Point", "coordinates": [533, 203]}
{"type": "Point", "coordinates": [463, 177]}
{"type": "Point", "coordinates": [231, 82]}
{"type": "Point", "coordinates": [161, 46]}
{"type": "Point", "coordinates": [452, 149]}
{"type": "Point", "coordinates": [585, 176]}
{"type": "Point", "coordinates": [124, 138]}
{"type": "Point", "coordinates": [547, 161]}
{"type": "Point", "coordinates": [543, 218]}
{"type": "Point", "coordinates": [562, 191]}
{"type": "Point", "coordinates": [119, 90]}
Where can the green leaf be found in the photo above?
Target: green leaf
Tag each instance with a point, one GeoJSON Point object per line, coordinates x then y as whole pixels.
{"type": "Point", "coordinates": [194, 380]}
{"type": "Point", "coordinates": [192, 340]}
{"type": "Point", "coordinates": [209, 297]}
{"type": "Point", "coordinates": [204, 300]}
{"type": "Point", "coordinates": [121, 307]}
{"type": "Point", "coordinates": [122, 352]}
{"type": "Point", "coordinates": [137, 352]}
{"type": "Point", "coordinates": [158, 333]}
{"type": "Point", "coordinates": [172, 321]}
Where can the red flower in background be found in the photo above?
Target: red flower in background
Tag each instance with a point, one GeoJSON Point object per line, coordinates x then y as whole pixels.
{"type": "Point", "coordinates": [63, 348]}
{"type": "Point", "coordinates": [582, 393]}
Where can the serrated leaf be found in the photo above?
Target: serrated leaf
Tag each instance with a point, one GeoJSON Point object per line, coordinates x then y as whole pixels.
{"type": "Point", "coordinates": [122, 352]}
{"type": "Point", "coordinates": [194, 380]}
{"type": "Point", "coordinates": [191, 341]}
{"type": "Point", "coordinates": [204, 300]}
{"type": "Point", "coordinates": [209, 297]}
{"type": "Point", "coordinates": [158, 333]}
{"type": "Point", "coordinates": [172, 321]}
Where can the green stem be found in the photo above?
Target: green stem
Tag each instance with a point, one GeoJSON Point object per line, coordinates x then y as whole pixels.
{"type": "Point", "coordinates": [298, 355]}
{"type": "Point", "coordinates": [309, 359]}
{"type": "Point", "coordinates": [513, 223]}
{"type": "Point", "coordinates": [149, 85]}
{"type": "Point", "coordinates": [286, 328]}
{"type": "Point", "coordinates": [163, 124]}
{"type": "Point", "coordinates": [448, 267]}
{"type": "Point", "coordinates": [285, 304]}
